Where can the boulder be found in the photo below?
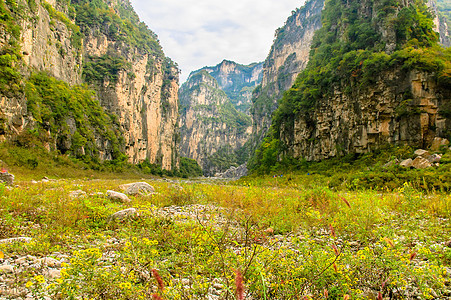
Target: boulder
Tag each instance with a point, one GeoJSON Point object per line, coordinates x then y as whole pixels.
{"type": "Point", "coordinates": [137, 188]}
{"type": "Point", "coordinates": [392, 163]}
{"type": "Point", "coordinates": [125, 214]}
{"type": "Point", "coordinates": [438, 142]}
{"type": "Point", "coordinates": [116, 196]}
{"type": "Point", "coordinates": [434, 158]}
{"type": "Point", "coordinates": [234, 172]}
{"type": "Point", "coordinates": [422, 153]}
{"type": "Point", "coordinates": [6, 177]}
{"type": "Point", "coordinates": [421, 163]}
{"type": "Point", "coordinates": [406, 163]}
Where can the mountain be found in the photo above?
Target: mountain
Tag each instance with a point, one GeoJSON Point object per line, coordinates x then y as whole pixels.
{"type": "Point", "coordinates": [212, 130]}
{"type": "Point", "coordinates": [288, 56]}
{"type": "Point", "coordinates": [237, 81]}
{"type": "Point", "coordinates": [87, 78]}
{"type": "Point", "coordinates": [376, 75]}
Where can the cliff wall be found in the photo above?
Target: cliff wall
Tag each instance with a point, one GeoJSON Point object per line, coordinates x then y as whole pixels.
{"type": "Point", "coordinates": [385, 82]}
{"type": "Point", "coordinates": [106, 46]}
{"type": "Point", "coordinates": [288, 56]}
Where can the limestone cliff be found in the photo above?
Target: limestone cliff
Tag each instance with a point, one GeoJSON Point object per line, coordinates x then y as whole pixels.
{"type": "Point", "coordinates": [386, 82]}
{"type": "Point", "coordinates": [403, 108]}
{"type": "Point", "coordinates": [237, 81]}
{"type": "Point", "coordinates": [212, 130]}
{"type": "Point", "coordinates": [103, 44]}
{"type": "Point", "coordinates": [287, 58]}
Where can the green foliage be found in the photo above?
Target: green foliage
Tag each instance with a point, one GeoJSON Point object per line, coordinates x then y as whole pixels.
{"type": "Point", "coordinates": [54, 103]}
{"type": "Point", "coordinates": [224, 158]}
{"type": "Point", "coordinates": [10, 55]}
{"type": "Point", "coordinates": [96, 15]}
{"type": "Point", "coordinates": [189, 168]}
{"type": "Point", "coordinates": [99, 68]}
{"type": "Point", "coordinates": [354, 171]}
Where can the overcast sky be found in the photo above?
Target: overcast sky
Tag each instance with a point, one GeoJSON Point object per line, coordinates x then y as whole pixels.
{"type": "Point", "coordinates": [198, 33]}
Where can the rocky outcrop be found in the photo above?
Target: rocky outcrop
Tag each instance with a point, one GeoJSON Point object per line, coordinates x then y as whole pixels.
{"type": "Point", "coordinates": [212, 130]}
{"type": "Point", "coordinates": [289, 55]}
{"type": "Point", "coordinates": [106, 46]}
{"type": "Point", "coordinates": [237, 81]}
{"type": "Point", "coordinates": [234, 172]}
{"type": "Point", "coordinates": [371, 118]}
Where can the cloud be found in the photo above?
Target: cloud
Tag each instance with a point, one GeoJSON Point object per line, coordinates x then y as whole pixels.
{"type": "Point", "coordinates": [198, 33]}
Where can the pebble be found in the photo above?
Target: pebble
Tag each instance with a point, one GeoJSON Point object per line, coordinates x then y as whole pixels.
{"type": "Point", "coordinates": [77, 194]}
{"type": "Point", "coordinates": [16, 240]}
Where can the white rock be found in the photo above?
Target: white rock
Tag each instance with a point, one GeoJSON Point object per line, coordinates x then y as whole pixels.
{"type": "Point", "coordinates": [438, 142]}
{"type": "Point", "coordinates": [6, 269]}
{"type": "Point", "coordinates": [421, 152]}
{"type": "Point", "coordinates": [50, 262]}
{"type": "Point", "coordinates": [137, 188]}
{"type": "Point", "coordinates": [22, 260]}
{"type": "Point", "coordinates": [53, 273]}
{"type": "Point", "coordinates": [116, 196]}
{"type": "Point", "coordinates": [421, 163]}
{"type": "Point", "coordinates": [406, 163]}
{"type": "Point", "coordinates": [129, 213]}
{"type": "Point", "coordinates": [434, 158]}
{"type": "Point", "coordinates": [77, 194]}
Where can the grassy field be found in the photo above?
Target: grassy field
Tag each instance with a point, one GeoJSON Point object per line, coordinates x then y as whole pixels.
{"type": "Point", "coordinates": [257, 238]}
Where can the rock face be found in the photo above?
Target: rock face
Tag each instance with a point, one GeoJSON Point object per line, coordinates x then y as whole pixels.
{"type": "Point", "coordinates": [237, 81]}
{"type": "Point", "coordinates": [106, 46]}
{"type": "Point", "coordinates": [289, 55]}
{"type": "Point", "coordinates": [371, 118]}
{"type": "Point", "coordinates": [356, 112]}
{"type": "Point", "coordinates": [212, 130]}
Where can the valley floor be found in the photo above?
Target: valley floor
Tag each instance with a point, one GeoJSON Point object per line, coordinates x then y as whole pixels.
{"type": "Point", "coordinates": [207, 240]}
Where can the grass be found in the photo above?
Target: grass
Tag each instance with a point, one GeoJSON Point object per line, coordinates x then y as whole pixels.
{"type": "Point", "coordinates": [287, 241]}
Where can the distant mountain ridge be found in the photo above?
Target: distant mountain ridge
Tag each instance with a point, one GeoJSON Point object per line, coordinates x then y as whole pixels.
{"type": "Point", "coordinates": [237, 81]}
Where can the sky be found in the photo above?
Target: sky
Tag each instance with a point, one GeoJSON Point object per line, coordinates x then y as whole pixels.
{"type": "Point", "coordinates": [198, 33]}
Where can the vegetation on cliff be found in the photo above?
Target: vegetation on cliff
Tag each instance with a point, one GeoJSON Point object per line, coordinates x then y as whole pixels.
{"type": "Point", "coordinates": [53, 103]}
{"type": "Point", "coordinates": [350, 51]}
{"type": "Point", "coordinates": [10, 54]}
